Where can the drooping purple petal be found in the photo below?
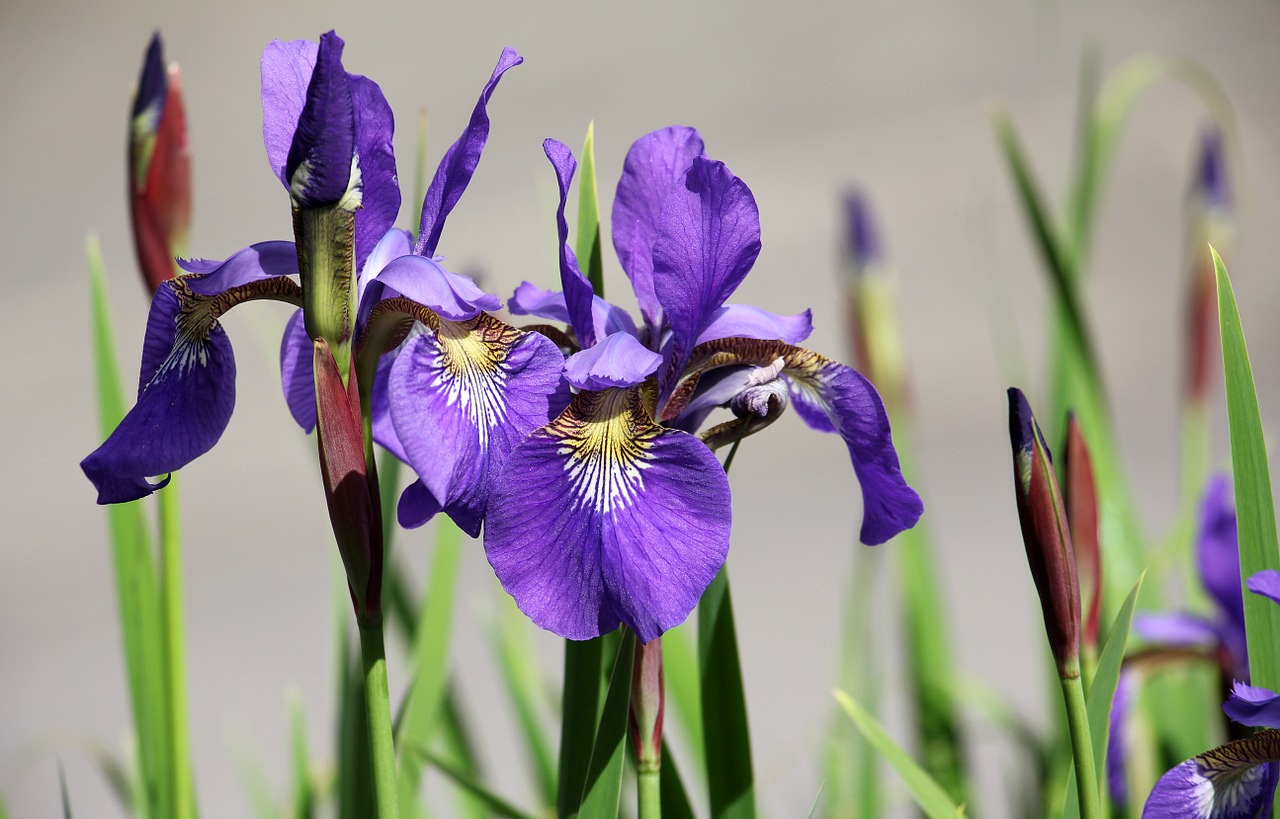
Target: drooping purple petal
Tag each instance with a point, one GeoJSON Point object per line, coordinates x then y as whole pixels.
{"type": "Point", "coordinates": [1175, 629]}
{"type": "Point", "coordinates": [577, 290]}
{"type": "Point", "coordinates": [744, 321]}
{"type": "Point", "coordinates": [417, 505]}
{"type": "Point", "coordinates": [1253, 706]}
{"type": "Point", "coordinates": [708, 239]}
{"type": "Point", "coordinates": [618, 361]}
{"type": "Point", "coordinates": [1234, 781]}
{"type": "Point", "coordinates": [425, 281]}
{"type": "Point", "coordinates": [318, 166]}
{"type": "Point", "coordinates": [185, 399]}
{"type": "Point", "coordinates": [393, 244]}
{"type": "Point", "coordinates": [459, 163]}
{"type": "Point", "coordinates": [603, 516]}
{"type": "Point", "coordinates": [654, 164]}
{"type": "Point", "coordinates": [854, 410]}
{"type": "Point", "coordinates": [255, 263]}
{"type": "Point", "coordinates": [1266, 583]}
{"type": "Point", "coordinates": [379, 184]}
{"type": "Point", "coordinates": [1117, 759]}
{"type": "Point", "coordinates": [531, 300]}
{"type": "Point", "coordinates": [297, 372]}
{"type": "Point", "coordinates": [462, 396]}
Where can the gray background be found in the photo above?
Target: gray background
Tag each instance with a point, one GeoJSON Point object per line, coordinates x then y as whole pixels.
{"type": "Point", "coordinates": [799, 99]}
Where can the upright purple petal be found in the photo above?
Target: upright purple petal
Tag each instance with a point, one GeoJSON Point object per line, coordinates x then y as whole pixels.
{"type": "Point", "coordinates": [255, 263]}
{"type": "Point", "coordinates": [1217, 551]}
{"type": "Point", "coordinates": [185, 399]}
{"type": "Point", "coordinates": [602, 515]}
{"type": "Point", "coordinates": [286, 74]}
{"type": "Point", "coordinates": [744, 321]}
{"type": "Point", "coordinates": [1234, 781]}
{"type": "Point", "coordinates": [318, 166]}
{"type": "Point", "coordinates": [654, 164]}
{"type": "Point", "coordinates": [1117, 758]}
{"type": "Point", "coordinates": [425, 281]}
{"type": "Point", "coordinates": [297, 372]}
{"type": "Point", "coordinates": [618, 361]}
{"type": "Point", "coordinates": [577, 290]}
{"type": "Point", "coordinates": [459, 163]}
{"type": "Point", "coordinates": [463, 395]}
{"type": "Point", "coordinates": [379, 183]}
{"type": "Point", "coordinates": [1253, 706]}
{"type": "Point", "coordinates": [707, 241]}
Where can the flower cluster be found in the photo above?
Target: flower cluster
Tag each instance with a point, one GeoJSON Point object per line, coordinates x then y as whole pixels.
{"type": "Point", "coordinates": [601, 503]}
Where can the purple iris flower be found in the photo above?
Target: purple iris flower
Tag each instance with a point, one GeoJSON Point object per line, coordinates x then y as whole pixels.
{"type": "Point", "coordinates": [1222, 633]}
{"type": "Point", "coordinates": [1237, 780]}
{"type": "Point", "coordinates": [614, 512]}
{"type": "Point", "coordinates": [328, 135]}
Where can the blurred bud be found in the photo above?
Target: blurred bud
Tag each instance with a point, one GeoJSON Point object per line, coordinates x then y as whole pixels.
{"type": "Point", "coordinates": [1046, 535]}
{"type": "Point", "coordinates": [1081, 498]}
{"type": "Point", "coordinates": [1209, 222]}
{"type": "Point", "coordinates": [872, 305]}
{"type": "Point", "coordinates": [159, 168]}
{"type": "Point", "coordinates": [350, 485]}
{"type": "Point", "coordinates": [647, 705]}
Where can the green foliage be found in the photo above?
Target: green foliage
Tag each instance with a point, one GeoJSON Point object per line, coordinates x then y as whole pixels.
{"type": "Point", "coordinates": [730, 780]}
{"type": "Point", "coordinates": [587, 246]}
{"type": "Point", "coordinates": [603, 787]}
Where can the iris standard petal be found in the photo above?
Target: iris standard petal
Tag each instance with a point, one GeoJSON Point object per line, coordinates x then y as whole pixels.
{"type": "Point", "coordinates": [531, 300]}
{"type": "Point", "coordinates": [751, 322]}
{"type": "Point", "coordinates": [1233, 781]}
{"type": "Point", "coordinates": [463, 394]}
{"type": "Point", "coordinates": [319, 167]}
{"type": "Point", "coordinates": [1253, 706]}
{"type": "Point", "coordinates": [425, 281]}
{"type": "Point", "coordinates": [1266, 583]}
{"type": "Point", "coordinates": [618, 361]}
{"type": "Point", "coordinates": [1217, 552]}
{"type": "Point", "coordinates": [379, 184]}
{"type": "Point", "coordinates": [255, 263]}
{"type": "Point", "coordinates": [286, 73]}
{"type": "Point", "coordinates": [185, 400]}
{"type": "Point", "coordinates": [297, 372]}
{"type": "Point", "coordinates": [459, 163]}
{"type": "Point", "coordinates": [654, 164]}
{"type": "Point", "coordinates": [707, 241]}
{"type": "Point", "coordinates": [603, 515]}
{"type": "Point", "coordinates": [1117, 757]}
{"type": "Point", "coordinates": [578, 295]}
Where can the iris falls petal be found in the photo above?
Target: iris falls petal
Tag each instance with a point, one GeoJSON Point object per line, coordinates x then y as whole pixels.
{"type": "Point", "coordinates": [604, 516]}
{"type": "Point", "coordinates": [186, 393]}
{"type": "Point", "coordinates": [462, 395]}
{"type": "Point", "coordinates": [1234, 781]}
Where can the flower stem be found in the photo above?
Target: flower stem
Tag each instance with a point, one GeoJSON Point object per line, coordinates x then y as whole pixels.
{"type": "Point", "coordinates": [649, 794]}
{"type": "Point", "coordinates": [174, 653]}
{"type": "Point", "coordinates": [1081, 746]}
{"type": "Point", "coordinates": [377, 701]}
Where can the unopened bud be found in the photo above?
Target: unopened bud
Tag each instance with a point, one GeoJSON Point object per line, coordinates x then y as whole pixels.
{"type": "Point", "coordinates": [1081, 498]}
{"type": "Point", "coordinates": [872, 305]}
{"type": "Point", "coordinates": [647, 705]}
{"type": "Point", "coordinates": [1046, 535]}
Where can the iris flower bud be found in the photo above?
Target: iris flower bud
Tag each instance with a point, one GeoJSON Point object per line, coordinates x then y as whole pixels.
{"type": "Point", "coordinates": [1046, 535]}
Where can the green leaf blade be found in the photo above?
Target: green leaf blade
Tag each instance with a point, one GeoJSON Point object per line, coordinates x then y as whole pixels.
{"type": "Point", "coordinates": [603, 791]}
{"type": "Point", "coordinates": [724, 707]}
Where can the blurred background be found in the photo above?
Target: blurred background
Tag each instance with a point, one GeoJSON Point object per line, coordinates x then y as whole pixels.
{"type": "Point", "coordinates": [801, 100]}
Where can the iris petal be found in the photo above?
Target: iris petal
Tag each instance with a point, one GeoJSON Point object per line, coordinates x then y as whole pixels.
{"type": "Point", "coordinates": [1253, 706]}
{"type": "Point", "coordinates": [459, 163]}
{"type": "Point", "coordinates": [707, 242]}
{"type": "Point", "coordinates": [602, 515]}
{"type": "Point", "coordinates": [318, 168]}
{"type": "Point", "coordinates": [744, 321]}
{"type": "Point", "coordinates": [1175, 629]}
{"type": "Point", "coordinates": [425, 281]}
{"type": "Point", "coordinates": [578, 295]}
{"type": "Point", "coordinates": [1217, 552]}
{"type": "Point", "coordinates": [531, 300]}
{"type": "Point", "coordinates": [1266, 583]}
{"type": "Point", "coordinates": [618, 361]}
{"type": "Point", "coordinates": [297, 372]}
{"type": "Point", "coordinates": [185, 399]}
{"type": "Point", "coordinates": [654, 164]}
{"type": "Point", "coordinates": [255, 263]}
{"type": "Point", "coordinates": [1234, 781]}
{"type": "Point", "coordinates": [463, 395]}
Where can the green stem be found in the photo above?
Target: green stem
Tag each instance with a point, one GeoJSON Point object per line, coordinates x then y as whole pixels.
{"type": "Point", "coordinates": [1081, 747]}
{"type": "Point", "coordinates": [174, 652]}
{"type": "Point", "coordinates": [649, 794]}
{"type": "Point", "coordinates": [377, 701]}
